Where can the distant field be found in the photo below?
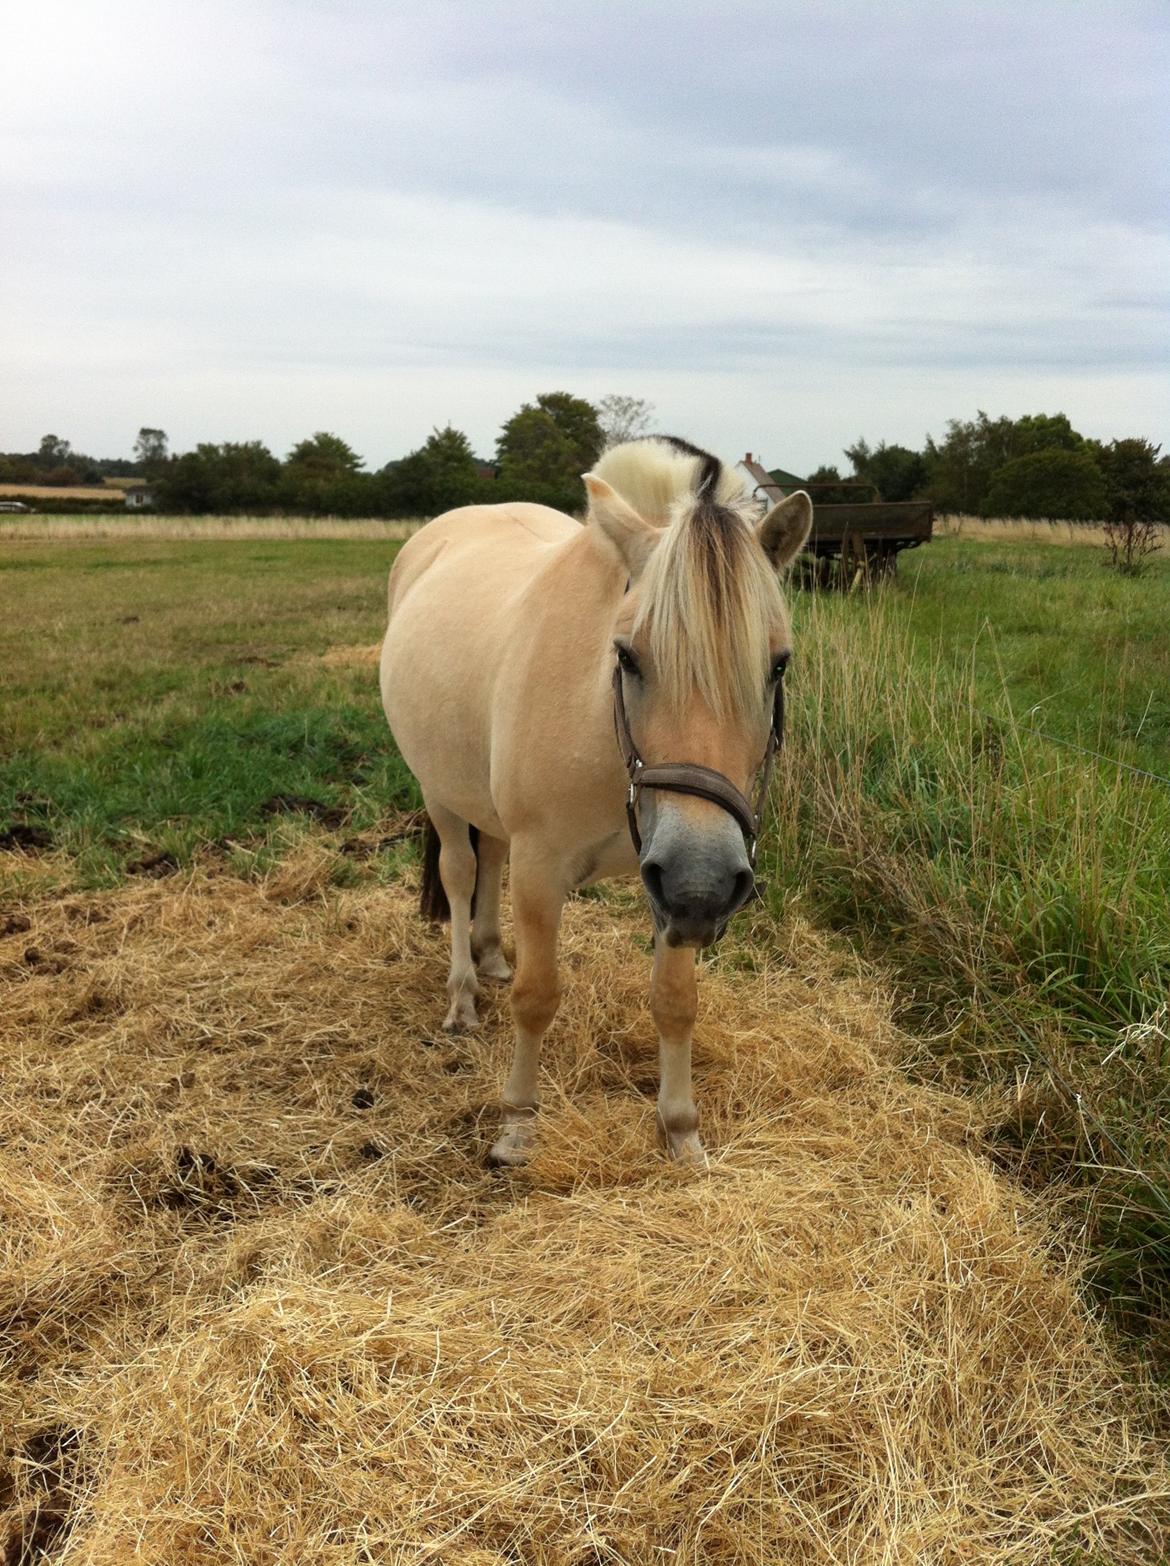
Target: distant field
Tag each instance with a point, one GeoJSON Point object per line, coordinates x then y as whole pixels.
{"type": "Point", "coordinates": [144, 525]}
{"type": "Point", "coordinates": [1021, 530]}
{"type": "Point", "coordinates": [1082, 652]}
{"type": "Point", "coordinates": [62, 492]}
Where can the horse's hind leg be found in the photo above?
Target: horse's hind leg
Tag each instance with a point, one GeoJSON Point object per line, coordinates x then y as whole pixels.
{"type": "Point", "coordinates": [485, 929]}
{"type": "Point", "coordinates": [457, 872]}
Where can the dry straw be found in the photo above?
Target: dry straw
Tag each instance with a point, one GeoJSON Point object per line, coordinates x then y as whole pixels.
{"type": "Point", "coordinates": [264, 1301]}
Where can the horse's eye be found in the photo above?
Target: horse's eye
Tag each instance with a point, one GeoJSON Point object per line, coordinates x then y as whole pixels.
{"type": "Point", "coordinates": [627, 660]}
{"type": "Point", "coordinates": [779, 667]}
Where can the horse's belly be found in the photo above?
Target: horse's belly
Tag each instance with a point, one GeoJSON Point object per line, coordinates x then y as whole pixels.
{"type": "Point", "coordinates": [437, 708]}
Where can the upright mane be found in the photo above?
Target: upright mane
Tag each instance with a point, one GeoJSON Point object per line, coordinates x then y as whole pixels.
{"type": "Point", "coordinates": [708, 594]}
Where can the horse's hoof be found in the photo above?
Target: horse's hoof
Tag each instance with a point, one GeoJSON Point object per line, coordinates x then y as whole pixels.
{"type": "Point", "coordinates": [515, 1144]}
{"type": "Point", "coordinates": [493, 965]}
{"type": "Point", "coordinates": [504, 1155]}
{"type": "Point", "coordinates": [461, 1018]}
{"type": "Point", "coordinates": [681, 1147]}
{"type": "Point", "coordinates": [687, 1150]}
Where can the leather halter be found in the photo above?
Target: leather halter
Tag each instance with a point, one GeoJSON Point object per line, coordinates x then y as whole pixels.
{"type": "Point", "coordinates": [685, 777]}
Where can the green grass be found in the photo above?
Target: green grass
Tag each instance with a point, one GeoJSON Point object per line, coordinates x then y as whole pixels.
{"type": "Point", "coordinates": [159, 697]}
{"type": "Point", "coordinates": [1082, 652]}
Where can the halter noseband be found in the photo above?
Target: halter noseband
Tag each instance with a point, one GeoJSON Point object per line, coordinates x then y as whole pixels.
{"type": "Point", "coordinates": [685, 777]}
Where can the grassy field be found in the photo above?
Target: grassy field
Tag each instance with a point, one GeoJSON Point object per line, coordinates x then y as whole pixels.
{"type": "Point", "coordinates": [1081, 651]}
{"type": "Point", "coordinates": [241, 1178]}
{"type": "Point", "coordinates": [145, 527]}
{"type": "Point", "coordinates": [164, 698]}
{"type": "Point", "coordinates": [167, 701]}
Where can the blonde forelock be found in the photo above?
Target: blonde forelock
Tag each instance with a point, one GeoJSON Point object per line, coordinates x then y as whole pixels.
{"type": "Point", "coordinates": [707, 601]}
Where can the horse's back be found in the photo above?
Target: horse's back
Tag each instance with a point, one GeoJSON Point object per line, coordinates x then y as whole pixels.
{"type": "Point", "coordinates": [501, 540]}
{"type": "Point", "coordinates": [455, 592]}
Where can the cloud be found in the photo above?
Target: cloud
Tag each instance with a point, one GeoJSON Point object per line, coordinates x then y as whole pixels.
{"type": "Point", "coordinates": [269, 219]}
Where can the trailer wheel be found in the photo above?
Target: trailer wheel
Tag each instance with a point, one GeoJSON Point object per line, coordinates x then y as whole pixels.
{"type": "Point", "coordinates": [854, 562]}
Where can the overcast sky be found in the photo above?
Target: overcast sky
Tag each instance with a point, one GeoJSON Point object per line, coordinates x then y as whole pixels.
{"type": "Point", "coordinates": [785, 225]}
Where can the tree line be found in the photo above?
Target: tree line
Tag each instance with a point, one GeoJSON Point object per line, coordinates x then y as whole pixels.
{"type": "Point", "coordinates": [1034, 466]}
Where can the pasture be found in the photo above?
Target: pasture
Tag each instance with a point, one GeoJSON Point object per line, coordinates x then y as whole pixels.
{"type": "Point", "coordinates": [261, 1298]}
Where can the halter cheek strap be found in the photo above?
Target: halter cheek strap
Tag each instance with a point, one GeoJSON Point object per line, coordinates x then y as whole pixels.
{"type": "Point", "coordinates": [685, 777]}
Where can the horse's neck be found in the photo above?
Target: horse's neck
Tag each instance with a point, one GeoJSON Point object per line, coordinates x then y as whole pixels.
{"type": "Point", "coordinates": [571, 605]}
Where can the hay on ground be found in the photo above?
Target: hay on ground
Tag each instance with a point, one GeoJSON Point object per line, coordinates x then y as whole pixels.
{"type": "Point", "coordinates": [263, 1301]}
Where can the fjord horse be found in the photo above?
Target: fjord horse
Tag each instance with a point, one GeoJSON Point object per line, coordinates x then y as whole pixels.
{"type": "Point", "coordinates": [589, 701]}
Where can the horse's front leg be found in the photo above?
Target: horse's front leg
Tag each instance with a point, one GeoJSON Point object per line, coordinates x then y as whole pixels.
{"type": "Point", "coordinates": [537, 899]}
{"type": "Point", "coordinates": [674, 1000]}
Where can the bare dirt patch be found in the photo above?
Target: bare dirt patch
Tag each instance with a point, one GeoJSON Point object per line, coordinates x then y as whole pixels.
{"type": "Point", "coordinates": [261, 1298]}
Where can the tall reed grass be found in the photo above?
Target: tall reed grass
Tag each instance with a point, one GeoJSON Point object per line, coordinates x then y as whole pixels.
{"type": "Point", "coordinates": [1018, 891]}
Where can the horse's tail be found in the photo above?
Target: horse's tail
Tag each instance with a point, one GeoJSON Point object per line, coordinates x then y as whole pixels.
{"type": "Point", "coordinates": [432, 901]}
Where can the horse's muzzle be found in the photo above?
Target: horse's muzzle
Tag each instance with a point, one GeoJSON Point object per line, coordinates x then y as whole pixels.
{"type": "Point", "coordinates": [693, 909]}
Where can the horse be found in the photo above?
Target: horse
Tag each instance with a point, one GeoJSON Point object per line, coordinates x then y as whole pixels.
{"type": "Point", "coordinates": [538, 675]}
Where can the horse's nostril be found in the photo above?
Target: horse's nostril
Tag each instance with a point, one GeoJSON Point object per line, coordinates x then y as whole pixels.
{"type": "Point", "coordinates": [745, 885]}
{"type": "Point", "coordinates": [652, 876]}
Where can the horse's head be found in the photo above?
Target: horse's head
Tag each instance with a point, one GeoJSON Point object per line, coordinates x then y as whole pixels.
{"type": "Point", "coordinates": [701, 639]}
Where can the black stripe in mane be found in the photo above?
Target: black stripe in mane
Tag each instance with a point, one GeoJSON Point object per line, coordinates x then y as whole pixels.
{"type": "Point", "coordinates": [718, 539]}
{"type": "Point", "coordinates": [710, 470]}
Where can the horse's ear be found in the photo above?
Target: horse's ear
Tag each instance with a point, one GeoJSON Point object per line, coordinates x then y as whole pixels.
{"type": "Point", "coordinates": [783, 531]}
{"type": "Point", "coordinates": [631, 535]}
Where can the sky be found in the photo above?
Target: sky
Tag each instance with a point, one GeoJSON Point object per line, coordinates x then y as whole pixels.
{"type": "Point", "coordinates": [784, 225]}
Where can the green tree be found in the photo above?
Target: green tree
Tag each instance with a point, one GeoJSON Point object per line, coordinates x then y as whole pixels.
{"type": "Point", "coordinates": [827, 487]}
{"type": "Point", "coordinates": [960, 467]}
{"type": "Point", "coordinates": [534, 452]}
{"type": "Point", "coordinates": [65, 476]}
{"type": "Point", "coordinates": [150, 449]}
{"type": "Point", "coordinates": [896, 472]}
{"type": "Point", "coordinates": [16, 469]}
{"type": "Point", "coordinates": [1137, 488]}
{"type": "Point", "coordinates": [545, 447]}
{"type": "Point", "coordinates": [1044, 432]}
{"type": "Point", "coordinates": [1049, 484]}
{"type": "Point", "coordinates": [236, 476]}
{"type": "Point", "coordinates": [322, 476]}
{"type": "Point", "coordinates": [440, 475]}
{"type": "Point", "coordinates": [1137, 485]}
{"type": "Point", "coordinates": [578, 422]}
{"type": "Point", "coordinates": [326, 455]}
{"type": "Point", "coordinates": [53, 452]}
